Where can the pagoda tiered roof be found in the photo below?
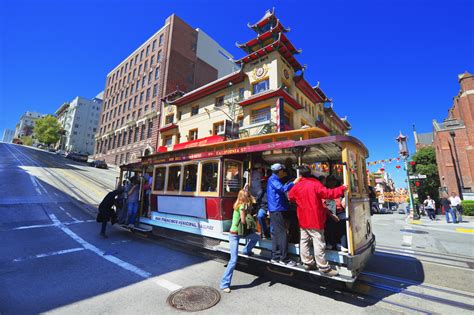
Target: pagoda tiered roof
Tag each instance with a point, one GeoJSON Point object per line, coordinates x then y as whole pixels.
{"type": "Point", "coordinates": [270, 37]}
{"type": "Point", "coordinates": [268, 21]}
{"type": "Point", "coordinates": [282, 45]}
{"type": "Point", "coordinates": [270, 94]}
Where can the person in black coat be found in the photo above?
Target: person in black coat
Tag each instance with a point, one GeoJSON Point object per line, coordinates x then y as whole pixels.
{"type": "Point", "coordinates": [106, 212]}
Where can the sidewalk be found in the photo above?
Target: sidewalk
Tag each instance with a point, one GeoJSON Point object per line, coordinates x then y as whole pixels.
{"type": "Point", "coordinates": [467, 226]}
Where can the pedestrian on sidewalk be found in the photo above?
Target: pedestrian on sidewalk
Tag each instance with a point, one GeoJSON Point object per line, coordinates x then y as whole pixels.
{"type": "Point", "coordinates": [308, 195]}
{"type": "Point", "coordinates": [446, 207]}
{"type": "Point", "coordinates": [430, 208]}
{"type": "Point", "coordinates": [106, 213]}
{"type": "Point", "coordinates": [456, 205]}
{"type": "Point", "coordinates": [242, 208]}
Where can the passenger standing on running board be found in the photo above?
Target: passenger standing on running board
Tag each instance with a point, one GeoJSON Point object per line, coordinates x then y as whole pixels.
{"type": "Point", "coordinates": [277, 205]}
{"type": "Point", "coordinates": [308, 195]}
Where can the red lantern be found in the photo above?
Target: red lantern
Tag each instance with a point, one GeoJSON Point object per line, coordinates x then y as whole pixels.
{"type": "Point", "coordinates": [412, 163]}
{"type": "Point", "coordinates": [417, 184]}
{"type": "Point", "coordinates": [382, 169]}
{"type": "Point", "coordinates": [398, 166]}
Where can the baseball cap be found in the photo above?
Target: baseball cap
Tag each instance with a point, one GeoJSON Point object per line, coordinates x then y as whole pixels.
{"type": "Point", "coordinates": [277, 167]}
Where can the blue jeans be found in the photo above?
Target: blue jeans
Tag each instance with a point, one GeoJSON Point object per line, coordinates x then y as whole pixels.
{"type": "Point", "coordinates": [252, 239]}
{"type": "Point", "coordinates": [261, 215]}
{"type": "Point", "coordinates": [132, 211]}
{"type": "Point", "coordinates": [448, 212]}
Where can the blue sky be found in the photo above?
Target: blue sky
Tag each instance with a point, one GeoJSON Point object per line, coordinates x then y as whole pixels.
{"type": "Point", "coordinates": [386, 64]}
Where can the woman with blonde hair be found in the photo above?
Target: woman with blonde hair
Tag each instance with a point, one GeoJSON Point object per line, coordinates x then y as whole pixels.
{"type": "Point", "coordinates": [242, 207]}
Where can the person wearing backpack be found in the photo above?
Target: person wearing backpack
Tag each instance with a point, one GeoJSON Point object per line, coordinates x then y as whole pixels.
{"type": "Point", "coordinates": [241, 218]}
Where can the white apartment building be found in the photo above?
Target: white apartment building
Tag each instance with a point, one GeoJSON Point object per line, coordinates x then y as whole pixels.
{"type": "Point", "coordinates": [25, 125]}
{"type": "Point", "coordinates": [79, 120]}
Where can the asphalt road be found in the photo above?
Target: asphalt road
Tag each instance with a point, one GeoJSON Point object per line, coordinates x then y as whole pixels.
{"type": "Point", "coordinates": [52, 260]}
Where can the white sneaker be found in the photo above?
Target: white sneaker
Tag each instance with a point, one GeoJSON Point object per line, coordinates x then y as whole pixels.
{"type": "Point", "coordinates": [342, 248]}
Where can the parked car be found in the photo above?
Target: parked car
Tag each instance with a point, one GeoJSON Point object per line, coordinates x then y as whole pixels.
{"type": "Point", "coordinates": [61, 152]}
{"type": "Point", "coordinates": [77, 157]}
{"type": "Point", "coordinates": [52, 150]}
{"type": "Point", "coordinates": [401, 211]}
{"type": "Point", "coordinates": [98, 164]}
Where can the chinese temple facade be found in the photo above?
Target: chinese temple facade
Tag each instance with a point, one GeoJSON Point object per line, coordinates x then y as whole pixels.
{"type": "Point", "coordinates": [267, 94]}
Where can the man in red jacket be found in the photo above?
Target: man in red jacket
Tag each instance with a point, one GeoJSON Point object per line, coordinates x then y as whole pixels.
{"type": "Point", "coordinates": [308, 195]}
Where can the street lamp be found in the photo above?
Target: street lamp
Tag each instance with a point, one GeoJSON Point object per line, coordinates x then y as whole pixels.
{"type": "Point", "coordinates": [403, 151]}
{"type": "Point", "coordinates": [461, 183]}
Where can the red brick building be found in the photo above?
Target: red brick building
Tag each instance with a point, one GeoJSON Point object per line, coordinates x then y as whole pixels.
{"type": "Point", "coordinates": [173, 58]}
{"type": "Point", "coordinates": [454, 141]}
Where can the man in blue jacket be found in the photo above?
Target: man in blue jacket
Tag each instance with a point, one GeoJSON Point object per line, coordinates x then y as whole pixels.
{"type": "Point", "coordinates": [277, 205]}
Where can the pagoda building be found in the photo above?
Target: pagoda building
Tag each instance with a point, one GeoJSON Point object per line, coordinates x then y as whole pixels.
{"type": "Point", "coordinates": [267, 94]}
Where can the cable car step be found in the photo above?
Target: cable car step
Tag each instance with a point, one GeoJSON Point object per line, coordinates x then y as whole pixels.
{"type": "Point", "coordinates": [143, 228]}
{"type": "Point", "coordinates": [298, 268]}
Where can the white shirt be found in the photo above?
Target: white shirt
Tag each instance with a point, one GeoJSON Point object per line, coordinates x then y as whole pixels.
{"type": "Point", "coordinates": [430, 203]}
{"type": "Point", "coordinates": [455, 201]}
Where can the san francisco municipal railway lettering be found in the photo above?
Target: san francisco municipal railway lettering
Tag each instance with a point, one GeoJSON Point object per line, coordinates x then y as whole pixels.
{"type": "Point", "coordinates": [197, 225]}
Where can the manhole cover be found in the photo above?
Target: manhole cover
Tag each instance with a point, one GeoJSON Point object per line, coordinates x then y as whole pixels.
{"type": "Point", "coordinates": [193, 299]}
{"type": "Point", "coordinates": [413, 231]}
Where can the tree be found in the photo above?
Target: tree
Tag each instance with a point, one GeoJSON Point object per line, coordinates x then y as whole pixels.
{"type": "Point", "coordinates": [47, 130]}
{"type": "Point", "coordinates": [27, 140]}
{"type": "Point", "coordinates": [425, 164]}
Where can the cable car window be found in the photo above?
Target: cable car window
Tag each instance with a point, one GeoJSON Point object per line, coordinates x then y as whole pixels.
{"type": "Point", "coordinates": [190, 178]}
{"type": "Point", "coordinates": [159, 178]}
{"type": "Point", "coordinates": [233, 176]}
{"type": "Point", "coordinates": [210, 173]}
{"type": "Point", "coordinates": [174, 178]}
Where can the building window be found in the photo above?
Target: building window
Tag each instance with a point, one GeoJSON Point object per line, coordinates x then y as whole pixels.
{"type": "Point", "coordinates": [260, 115]}
{"type": "Point", "coordinates": [153, 45]}
{"type": "Point", "coordinates": [168, 141]}
{"type": "Point", "coordinates": [139, 114]}
{"type": "Point", "coordinates": [157, 73]}
{"type": "Point", "coordinates": [161, 40]}
{"type": "Point", "coordinates": [124, 140]}
{"type": "Point", "coordinates": [240, 121]}
{"type": "Point", "coordinates": [288, 119]}
{"type": "Point", "coordinates": [127, 157]}
{"type": "Point", "coordinates": [193, 134]}
{"type": "Point", "coordinates": [143, 81]}
{"type": "Point", "coordinates": [147, 51]}
{"type": "Point", "coordinates": [135, 101]}
{"type": "Point", "coordinates": [241, 94]}
{"type": "Point", "coordinates": [138, 84]}
{"type": "Point", "coordinates": [139, 69]}
{"type": "Point", "coordinates": [169, 119]}
{"type": "Point", "coordinates": [261, 86]}
{"type": "Point", "coordinates": [218, 128]}
{"type": "Point", "coordinates": [142, 133]}
{"type": "Point", "coordinates": [153, 106]}
{"type": "Point", "coordinates": [135, 138]}
{"type": "Point", "coordinates": [158, 57]}
{"type": "Point", "coordinates": [150, 129]}
{"type": "Point", "coordinates": [147, 95]}
{"type": "Point", "coordinates": [152, 60]}
{"type": "Point", "coordinates": [155, 90]}
{"type": "Point", "coordinates": [141, 55]}
{"type": "Point", "coordinates": [141, 98]}
{"type": "Point", "coordinates": [150, 77]}
{"type": "Point", "coordinates": [130, 136]}
{"type": "Point", "coordinates": [145, 66]}
{"type": "Point", "coordinates": [194, 110]}
{"type": "Point", "coordinates": [219, 101]}
{"type": "Point", "coordinates": [119, 140]}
